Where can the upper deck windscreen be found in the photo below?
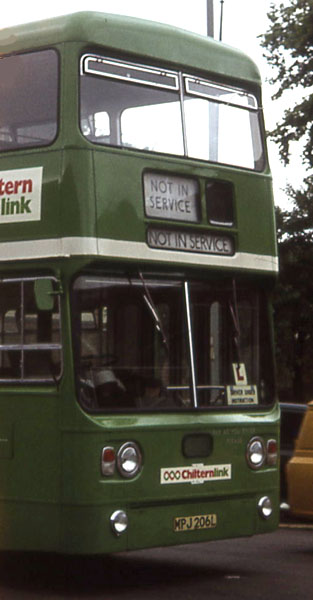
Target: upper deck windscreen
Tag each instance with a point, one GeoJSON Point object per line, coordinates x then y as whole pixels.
{"type": "Point", "coordinates": [157, 110]}
{"type": "Point", "coordinates": [28, 99]}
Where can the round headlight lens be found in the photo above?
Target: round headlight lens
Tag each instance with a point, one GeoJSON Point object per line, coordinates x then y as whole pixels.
{"type": "Point", "coordinates": [256, 453]}
{"type": "Point", "coordinates": [129, 459]}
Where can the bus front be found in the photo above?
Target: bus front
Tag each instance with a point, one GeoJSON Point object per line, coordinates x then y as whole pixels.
{"type": "Point", "coordinates": [172, 330]}
{"type": "Point", "coordinates": [138, 257]}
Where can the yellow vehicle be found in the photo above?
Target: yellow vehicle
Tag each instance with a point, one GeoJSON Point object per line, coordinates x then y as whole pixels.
{"type": "Point", "coordinates": [300, 470]}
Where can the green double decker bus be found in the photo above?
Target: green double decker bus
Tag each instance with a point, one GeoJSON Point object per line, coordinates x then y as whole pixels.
{"type": "Point", "coordinates": [137, 261]}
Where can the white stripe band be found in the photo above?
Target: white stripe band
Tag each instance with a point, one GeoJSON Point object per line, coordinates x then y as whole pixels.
{"type": "Point", "coordinates": [108, 248]}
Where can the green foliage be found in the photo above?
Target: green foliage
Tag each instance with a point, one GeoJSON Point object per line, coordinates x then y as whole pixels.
{"type": "Point", "coordinates": [288, 48]}
{"type": "Point", "coordinates": [293, 299]}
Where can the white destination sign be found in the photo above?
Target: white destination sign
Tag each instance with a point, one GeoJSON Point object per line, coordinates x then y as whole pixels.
{"type": "Point", "coordinates": [203, 242]}
{"type": "Point", "coordinates": [171, 197]}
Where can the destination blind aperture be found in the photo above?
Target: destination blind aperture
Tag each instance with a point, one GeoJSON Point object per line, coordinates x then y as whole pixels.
{"type": "Point", "coordinates": [190, 241]}
{"type": "Point", "coordinates": [171, 197]}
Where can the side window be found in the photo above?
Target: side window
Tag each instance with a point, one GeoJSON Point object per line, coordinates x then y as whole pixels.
{"type": "Point", "coordinates": [30, 337]}
{"type": "Point", "coordinates": [29, 99]}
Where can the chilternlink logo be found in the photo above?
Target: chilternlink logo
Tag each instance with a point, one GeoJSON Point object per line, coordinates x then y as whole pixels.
{"type": "Point", "coordinates": [195, 474]}
{"type": "Point", "coordinates": [20, 195]}
{"type": "Point", "coordinates": [15, 207]}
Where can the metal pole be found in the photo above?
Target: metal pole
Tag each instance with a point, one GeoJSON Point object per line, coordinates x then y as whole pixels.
{"type": "Point", "coordinates": [221, 20]}
{"type": "Point", "coordinates": [210, 18]}
{"type": "Point", "coordinates": [190, 340]}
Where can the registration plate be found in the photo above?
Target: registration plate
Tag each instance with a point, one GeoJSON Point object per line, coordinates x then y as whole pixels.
{"type": "Point", "coordinates": [194, 522]}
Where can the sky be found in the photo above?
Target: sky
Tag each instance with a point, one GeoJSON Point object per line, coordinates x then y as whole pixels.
{"type": "Point", "coordinates": [243, 22]}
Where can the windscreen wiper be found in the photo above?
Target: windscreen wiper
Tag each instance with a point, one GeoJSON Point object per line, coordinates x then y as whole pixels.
{"type": "Point", "coordinates": [233, 307]}
{"type": "Point", "coordinates": [151, 305]}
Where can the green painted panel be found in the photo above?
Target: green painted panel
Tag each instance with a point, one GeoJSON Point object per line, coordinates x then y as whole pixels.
{"type": "Point", "coordinates": [133, 36]}
{"type": "Point", "coordinates": [120, 203]}
{"type": "Point", "coordinates": [87, 530]}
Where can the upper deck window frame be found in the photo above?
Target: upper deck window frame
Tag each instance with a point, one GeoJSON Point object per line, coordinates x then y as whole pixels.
{"type": "Point", "coordinates": [234, 98]}
{"type": "Point", "coordinates": [205, 83]}
{"type": "Point", "coordinates": [130, 68]}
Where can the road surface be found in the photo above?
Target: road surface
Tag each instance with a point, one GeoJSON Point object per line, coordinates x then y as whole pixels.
{"type": "Point", "coordinates": [276, 566]}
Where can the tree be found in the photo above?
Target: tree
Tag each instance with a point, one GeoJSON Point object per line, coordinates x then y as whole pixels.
{"type": "Point", "coordinates": [293, 299]}
{"type": "Point", "coordinates": [289, 50]}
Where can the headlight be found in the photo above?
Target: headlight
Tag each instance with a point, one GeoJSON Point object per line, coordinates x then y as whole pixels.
{"type": "Point", "coordinates": [129, 459]}
{"type": "Point", "coordinates": [255, 453]}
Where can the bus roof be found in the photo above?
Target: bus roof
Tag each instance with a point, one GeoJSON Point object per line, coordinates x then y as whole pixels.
{"type": "Point", "coordinates": [133, 36]}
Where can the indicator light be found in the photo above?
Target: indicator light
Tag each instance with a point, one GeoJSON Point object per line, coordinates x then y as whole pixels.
{"type": "Point", "coordinates": [272, 453]}
{"type": "Point", "coordinates": [108, 461]}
